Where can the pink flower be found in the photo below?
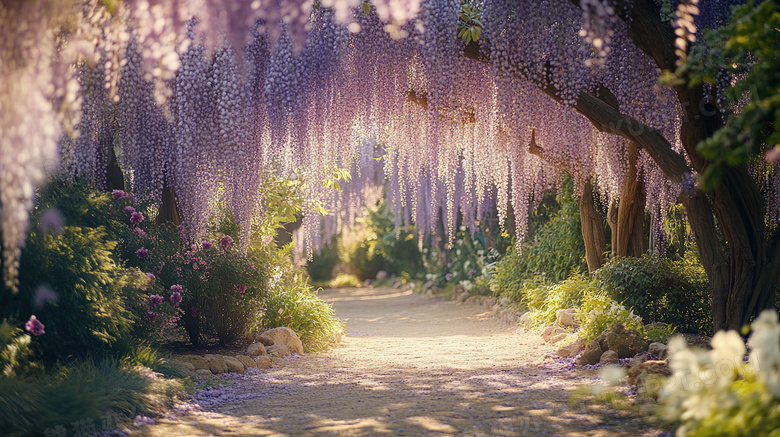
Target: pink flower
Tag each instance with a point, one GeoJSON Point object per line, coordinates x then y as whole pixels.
{"type": "Point", "coordinates": [34, 326]}
{"type": "Point", "coordinates": [225, 241]}
{"type": "Point", "coordinates": [242, 289]}
{"type": "Point", "coordinates": [140, 232]}
{"type": "Point", "coordinates": [176, 288]}
{"type": "Point", "coordinates": [150, 315]}
{"type": "Point", "coordinates": [118, 194]}
{"type": "Point", "coordinates": [193, 247]}
{"type": "Point", "coordinates": [141, 253]}
{"type": "Point", "coordinates": [176, 298]}
{"type": "Point", "coordinates": [206, 245]}
{"type": "Point", "coordinates": [136, 218]}
{"type": "Point", "coordinates": [281, 310]}
{"type": "Point", "coordinates": [472, 272]}
{"type": "Point", "coordinates": [151, 276]}
{"type": "Point", "coordinates": [155, 299]}
{"type": "Point", "coordinates": [130, 209]}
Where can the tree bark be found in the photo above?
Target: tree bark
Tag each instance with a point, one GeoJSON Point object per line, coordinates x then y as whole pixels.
{"type": "Point", "coordinates": [115, 179]}
{"type": "Point", "coordinates": [630, 238]}
{"type": "Point", "coordinates": [169, 211]}
{"type": "Point", "coordinates": [592, 229]}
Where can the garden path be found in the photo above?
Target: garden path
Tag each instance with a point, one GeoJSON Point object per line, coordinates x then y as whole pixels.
{"type": "Point", "coordinates": [409, 365]}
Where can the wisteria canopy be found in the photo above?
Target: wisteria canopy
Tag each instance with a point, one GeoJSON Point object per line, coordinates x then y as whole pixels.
{"type": "Point", "coordinates": [205, 98]}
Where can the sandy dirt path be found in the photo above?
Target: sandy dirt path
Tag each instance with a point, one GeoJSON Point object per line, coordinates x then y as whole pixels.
{"type": "Point", "coordinates": [408, 366]}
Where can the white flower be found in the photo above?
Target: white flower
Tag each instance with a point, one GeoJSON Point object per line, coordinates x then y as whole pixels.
{"type": "Point", "coordinates": [612, 374]}
{"type": "Point", "coordinates": [726, 355]}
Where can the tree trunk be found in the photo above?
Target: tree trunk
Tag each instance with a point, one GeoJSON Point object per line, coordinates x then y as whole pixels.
{"type": "Point", "coordinates": [115, 179]}
{"type": "Point", "coordinates": [169, 212]}
{"type": "Point", "coordinates": [630, 239]}
{"type": "Point", "coordinates": [592, 229]}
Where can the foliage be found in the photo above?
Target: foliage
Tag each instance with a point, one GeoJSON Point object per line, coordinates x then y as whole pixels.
{"type": "Point", "coordinates": [545, 301]}
{"type": "Point", "coordinates": [384, 247]}
{"type": "Point", "coordinates": [100, 396]}
{"type": "Point", "coordinates": [344, 280]}
{"type": "Point", "coordinates": [657, 333]}
{"type": "Point", "coordinates": [747, 49]}
{"type": "Point", "coordinates": [658, 290]}
{"type": "Point", "coordinates": [16, 357]}
{"type": "Point", "coordinates": [717, 393]}
{"type": "Point", "coordinates": [71, 283]}
{"type": "Point", "coordinates": [290, 301]}
{"type": "Point", "coordinates": [599, 312]}
{"type": "Point", "coordinates": [320, 267]}
{"type": "Point", "coordinates": [469, 24]}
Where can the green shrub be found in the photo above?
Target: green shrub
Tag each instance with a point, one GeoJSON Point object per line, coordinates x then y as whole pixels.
{"type": "Point", "coordinates": [99, 396]}
{"type": "Point", "coordinates": [291, 302]}
{"type": "Point", "coordinates": [659, 333]}
{"type": "Point", "coordinates": [599, 312]}
{"type": "Point", "coordinates": [566, 294]}
{"type": "Point", "coordinates": [321, 266]}
{"type": "Point", "coordinates": [345, 280]}
{"type": "Point", "coordinates": [509, 277]}
{"type": "Point", "coordinates": [71, 283]}
{"type": "Point", "coordinates": [16, 357]}
{"type": "Point", "coordinates": [660, 291]}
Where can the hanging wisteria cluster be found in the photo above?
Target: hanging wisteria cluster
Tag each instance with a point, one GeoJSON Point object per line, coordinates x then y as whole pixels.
{"type": "Point", "coordinates": [205, 98]}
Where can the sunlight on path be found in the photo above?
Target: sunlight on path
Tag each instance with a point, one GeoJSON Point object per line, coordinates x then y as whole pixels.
{"type": "Point", "coordinates": [409, 366]}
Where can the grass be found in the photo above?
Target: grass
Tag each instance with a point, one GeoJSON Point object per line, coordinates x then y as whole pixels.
{"type": "Point", "coordinates": [100, 394]}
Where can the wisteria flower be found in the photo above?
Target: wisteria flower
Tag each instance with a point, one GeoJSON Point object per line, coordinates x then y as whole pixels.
{"type": "Point", "coordinates": [225, 241]}
{"type": "Point", "coordinates": [140, 232]}
{"type": "Point", "coordinates": [242, 289]}
{"type": "Point", "coordinates": [142, 253]}
{"type": "Point", "coordinates": [206, 245]}
{"type": "Point", "coordinates": [34, 326]}
{"type": "Point", "coordinates": [136, 218]}
{"type": "Point", "coordinates": [130, 209]}
{"type": "Point", "coordinates": [176, 298]}
{"type": "Point", "coordinates": [155, 299]}
{"type": "Point", "coordinates": [44, 295]}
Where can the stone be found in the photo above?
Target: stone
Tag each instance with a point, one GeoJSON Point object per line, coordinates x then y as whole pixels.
{"type": "Point", "coordinates": [278, 350]}
{"type": "Point", "coordinates": [286, 337]}
{"type": "Point", "coordinates": [609, 357]}
{"type": "Point", "coordinates": [196, 361]}
{"type": "Point", "coordinates": [217, 364]}
{"type": "Point", "coordinates": [638, 373]}
{"type": "Point", "coordinates": [267, 341]}
{"type": "Point", "coordinates": [246, 361]}
{"type": "Point", "coordinates": [203, 372]}
{"type": "Point", "coordinates": [185, 364]}
{"type": "Point", "coordinates": [525, 318]}
{"type": "Point", "coordinates": [488, 302]}
{"type": "Point", "coordinates": [504, 301]}
{"type": "Point", "coordinates": [367, 283]}
{"type": "Point", "coordinates": [427, 286]}
{"type": "Point", "coordinates": [591, 354]}
{"type": "Point", "coordinates": [639, 359]}
{"type": "Point", "coordinates": [567, 318]}
{"type": "Point", "coordinates": [658, 350]}
{"type": "Point", "coordinates": [263, 362]}
{"type": "Point", "coordinates": [571, 350]}
{"type": "Point", "coordinates": [380, 275]}
{"type": "Point", "coordinates": [256, 349]}
{"type": "Point", "coordinates": [626, 342]}
{"type": "Point", "coordinates": [234, 365]}
{"type": "Point", "coordinates": [552, 331]}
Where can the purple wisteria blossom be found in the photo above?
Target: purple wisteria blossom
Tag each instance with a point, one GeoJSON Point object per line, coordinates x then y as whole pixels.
{"type": "Point", "coordinates": [142, 253]}
{"type": "Point", "coordinates": [176, 288]}
{"type": "Point", "coordinates": [130, 209]}
{"type": "Point", "coordinates": [206, 245]}
{"type": "Point", "coordinates": [34, 326]}
{"type": "Point", "coordinates": [140, 232]}
{"type": "Point", "coordinates": [155, 299]}
{"type": "Point", "coordinates": [176, 298]}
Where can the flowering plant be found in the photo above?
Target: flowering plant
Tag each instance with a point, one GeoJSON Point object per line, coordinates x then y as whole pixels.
{"type": "Point", "coordinates": [720, 392]}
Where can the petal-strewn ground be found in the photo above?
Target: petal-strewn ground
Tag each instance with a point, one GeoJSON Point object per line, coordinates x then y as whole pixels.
{"type": "Point", "coordinates": [409, 365]}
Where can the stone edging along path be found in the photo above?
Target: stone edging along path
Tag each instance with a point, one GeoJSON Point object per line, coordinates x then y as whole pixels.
{"type": "Point", "coordinates": [409, 365]}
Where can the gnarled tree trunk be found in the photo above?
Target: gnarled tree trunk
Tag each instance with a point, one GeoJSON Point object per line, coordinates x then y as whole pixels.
{"type": "Point", "coordinates": [592, 229]}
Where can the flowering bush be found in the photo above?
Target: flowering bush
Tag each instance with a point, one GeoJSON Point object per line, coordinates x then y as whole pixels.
{"type": "Point", "coordinates": [16, 356]}
{"type": "Point", "coordinates": [599, 312]}
{"type": "Point", "coordinates": [717, 392]}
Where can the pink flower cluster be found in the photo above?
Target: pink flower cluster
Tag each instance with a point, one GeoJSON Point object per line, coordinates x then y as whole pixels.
{"type": "Point", "coordinates": [142, 253]}
{"type": "Point", "coordinates": [34, 326]}
{"type": "Point", "coordinates": [225, 241]}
